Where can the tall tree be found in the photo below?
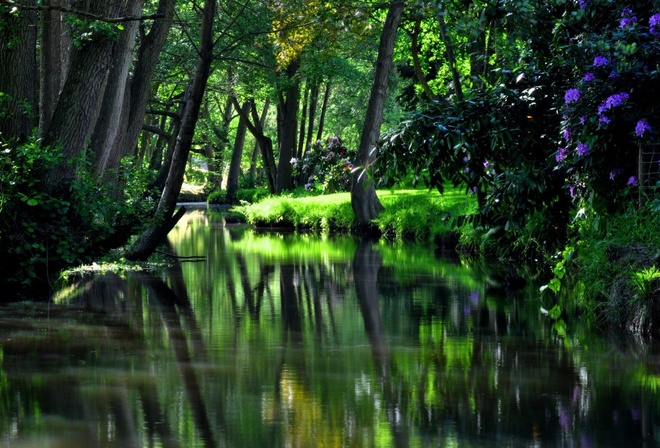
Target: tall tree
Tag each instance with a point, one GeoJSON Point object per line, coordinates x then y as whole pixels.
{"type": "Point", "coordinates": [154, 235]}
{"type": "Point", "coordinates": [18, 106]}
{"type": "Point", "coordinates": [364, 200]}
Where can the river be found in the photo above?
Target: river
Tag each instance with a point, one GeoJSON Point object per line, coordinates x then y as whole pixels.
{"type": "Point", "coordinates": [294, 340]}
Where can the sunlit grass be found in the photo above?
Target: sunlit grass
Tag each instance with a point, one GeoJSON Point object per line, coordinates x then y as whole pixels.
{"type": "Point", "coordinates": [409, 214]}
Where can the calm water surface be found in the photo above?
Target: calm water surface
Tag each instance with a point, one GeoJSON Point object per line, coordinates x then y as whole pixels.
{"type": "Point", "coordinates": [299, 341]}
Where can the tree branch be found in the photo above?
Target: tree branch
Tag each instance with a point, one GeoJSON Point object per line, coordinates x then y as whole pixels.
{"type": "Point", "coordinates": [79, 13]}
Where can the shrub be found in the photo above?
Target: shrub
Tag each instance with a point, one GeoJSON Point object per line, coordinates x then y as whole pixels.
{"type": "Point", "coordinates": [326, 168]}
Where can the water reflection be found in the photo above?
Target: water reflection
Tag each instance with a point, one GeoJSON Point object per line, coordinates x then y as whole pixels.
{"type": "Point", "coordinates": [293, 340]}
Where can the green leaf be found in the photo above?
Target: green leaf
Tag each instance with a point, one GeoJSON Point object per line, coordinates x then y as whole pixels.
{"type": "Point", "coordinates": [32, 202]}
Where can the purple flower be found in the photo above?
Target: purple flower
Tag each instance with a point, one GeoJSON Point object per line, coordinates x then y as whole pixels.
{"type": "Point", "coordinates": [632, 182]}
{"type": "Point", "coordinates": [589, 76]}
{"type": "Point", "coordinates": [583, 119]}
{"type": "Point", "coordinates": [582, 149]}
{"type": "Point", "coordinates": [600, 61]}
{"type": "Point", "coordinates": [626, 12]}
{"type": "Point", "coordinates": [572, 190]}
{"type": "Point", "coordinates": [627, 21]}
{"type": "Point", "coordinates": [486, 163]}
{"type": "Point", "coordinates": [561, 154]}
{"type": "Point", "coordinates": [583, 4]}
{"type": "Point", "coordinates": [572, 95]}
{"type": "Point", "coordinates": [642, 127]}
{"type": "Point", "coordinates": [567, 134]}
{"type": "Point", "coordinates": [654, 24]}
{"type": "Point", "coordinates": [615, 172]}
{"type": "Point", "coordinates": [604, 119]}
{"type": "Point", "coordinates": [615, 100]}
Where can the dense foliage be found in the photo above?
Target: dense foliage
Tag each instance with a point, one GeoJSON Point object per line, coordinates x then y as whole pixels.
{"type": "Point", "coordinates": [564, 129]}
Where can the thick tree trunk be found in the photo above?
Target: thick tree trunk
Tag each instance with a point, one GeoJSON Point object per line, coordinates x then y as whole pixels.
{"type": "Point", "coordinates": [288, 119]}
{"type": "Point", "coordinates": [77, 109]}
{"type": "Point", "coordinates": [363, 191]}
{"type": "Point", "coordinates": [113, 119]}
{"type": "Point", "coordinates": [53, 61]}
{"type": "Point", "coordinates": [237, 156]}
{"type": "Point", "coordinates": [18, 43]}
{"type": "Point", "coordinates": [147, 58]}
{"type": "Point", "coordinates": [152, 237]}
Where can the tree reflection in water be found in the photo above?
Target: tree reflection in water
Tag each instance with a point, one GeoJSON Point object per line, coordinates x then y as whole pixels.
{"type": "Point", "coordinates": [283, 340]}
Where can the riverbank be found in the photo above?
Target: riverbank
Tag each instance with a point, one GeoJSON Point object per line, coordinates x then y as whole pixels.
{"type": "Point", "coordinates": [607, 273]}
{"type": "Point", "coordinates": [411, 214]}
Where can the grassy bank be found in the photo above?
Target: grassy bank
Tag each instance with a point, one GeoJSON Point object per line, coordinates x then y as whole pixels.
{"type": "Point", "coordinates": [409, 214]}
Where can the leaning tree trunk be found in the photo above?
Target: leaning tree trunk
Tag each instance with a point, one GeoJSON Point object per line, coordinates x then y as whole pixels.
{"type": "Point", "coordinates": [113, 119]}
{"type": "Point", "coordinates": [18, 39]}
{"type": "Point", "coordinates": [145, 67]}
{"type": "Point", "coordinates": [166, 218]}
{"type": "Point", "coordinates": [363, 191]}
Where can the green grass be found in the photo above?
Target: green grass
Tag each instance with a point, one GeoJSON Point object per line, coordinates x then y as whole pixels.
{"type": "Point", "coordinates": [409, 214]}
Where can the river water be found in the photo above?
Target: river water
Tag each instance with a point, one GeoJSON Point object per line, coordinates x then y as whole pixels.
{"type": "Point", "coordinates": [282, 340]}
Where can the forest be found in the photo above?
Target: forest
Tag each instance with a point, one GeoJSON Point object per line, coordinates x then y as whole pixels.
{"type": "Point", "coordinates": [546, 112]}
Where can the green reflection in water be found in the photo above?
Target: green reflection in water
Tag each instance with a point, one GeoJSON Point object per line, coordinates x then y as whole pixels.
{"type": "Point", "coordinates": [293, 340]}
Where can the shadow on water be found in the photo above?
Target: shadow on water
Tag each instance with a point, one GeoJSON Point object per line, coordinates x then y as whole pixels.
{"type": "Point", "coordinates": [293, 340]}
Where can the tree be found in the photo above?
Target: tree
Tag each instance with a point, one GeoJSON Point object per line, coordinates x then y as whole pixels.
{"type": "Point", "coordinates": [364, 200]}
{"type": "Point", "coordinates": [165, 211]}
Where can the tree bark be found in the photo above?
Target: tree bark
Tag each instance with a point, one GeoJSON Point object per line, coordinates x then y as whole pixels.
{"type": "Point", "coordinates": [288, 119]}
{"type": "Point", "coordinates": [324, 108]}
{"type": "Point", "coordinates": [152, 237]}
{"type": "Point", "coordinates": [113, 119]}
{"type": "Point", "coordinates": [53, 60]}
{"type": "Point", "coordinates": [77, 109]}
{"type": "Point", "coordinates": [257, 146]}
{"type": "Point", "coordinates": [237, 156]}
{"type": "Point", "coordinates": [18, 43]}
{"type": "Point", "coordinates": [414, 52]}
{"type": "Point", "coordinates": [265, 143]}
{"type": "Point", "coordinates": [147, 58]}
{"type": "Point", "coordinates": [366, 204]}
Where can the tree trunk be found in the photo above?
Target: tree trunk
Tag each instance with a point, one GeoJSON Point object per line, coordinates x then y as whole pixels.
{"type": "Point", "coordinates": [237, 156]}
{"type": "Point", "coordinates": [288, 119]}
{"type": "Point", "coordinates": [152, 237]}
{"type": "Point", "coordinates": [451, 59]}
{"type": "Point", "coordinates": [113, 119]}
{"type": "Point", "coordinates": [324, 108]}
{"type": "Point", "coordinates": [53, 60]}
{"type": "Point", "coordinates": [414, 52]}
{"type": "Point", "coordinates": [303, 125]}
{"type": "Point", "coordinates": [265, 143]}
{"type": "Point", "coordinates": [18, 43]}
{"type": "Point", "coordinates": [313, 103]}
{"type": "Point", "coordinates": [257, 146]}
{"type": "Point", "coordinates": [77, 109]}
{"type": "Point", "coordinates": [363, 191]}
{"type": "Point", "coordinates": [145, 66]}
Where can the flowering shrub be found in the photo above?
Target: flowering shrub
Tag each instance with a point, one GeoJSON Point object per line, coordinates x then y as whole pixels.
{"type": "Point", "coordinates": [325, 168]}
{"type": "Point", "coordinates": [612, 108]}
